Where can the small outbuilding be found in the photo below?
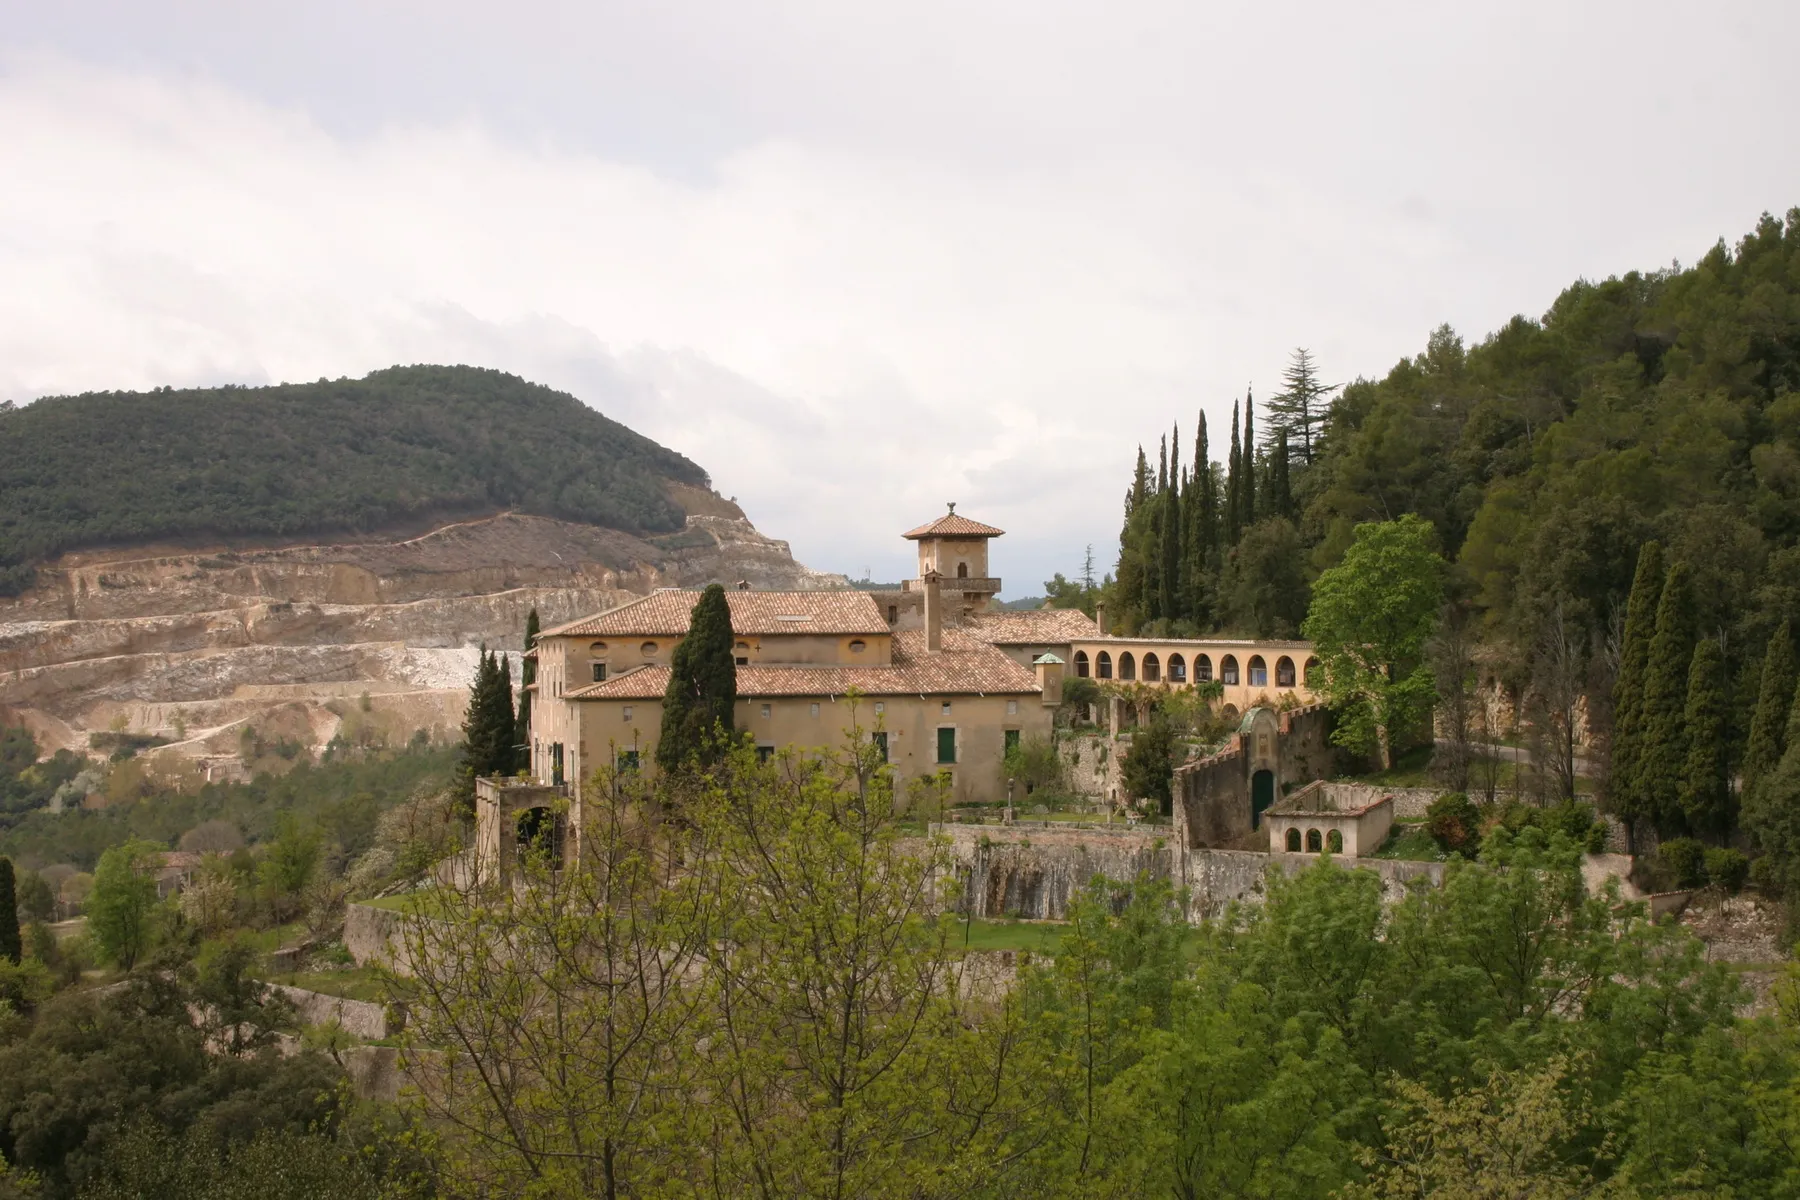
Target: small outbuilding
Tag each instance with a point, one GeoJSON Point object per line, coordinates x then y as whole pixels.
{"type": "Point", "coordinates": [1330, 818]}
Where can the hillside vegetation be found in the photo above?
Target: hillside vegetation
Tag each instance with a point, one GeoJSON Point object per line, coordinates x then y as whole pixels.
{"type": "Point", "coordinates": [336, 456]}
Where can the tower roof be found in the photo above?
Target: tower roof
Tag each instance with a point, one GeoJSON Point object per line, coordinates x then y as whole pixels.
{"type": "Point", "coordinates": [951, 525]}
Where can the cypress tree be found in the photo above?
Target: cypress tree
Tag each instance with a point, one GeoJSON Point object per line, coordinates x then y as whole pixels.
{"type": "Point", "coordinates": [481, 735]}
{"type": "Point", "coordinates": [1247, 501]}
{"type": "Point", "coordinates": [11, 947]}
{"type": "Point", "coordinates": [1774, 697]}
{"type": "Point", "coordinates": [527, 677]}
{"type": "Point", "coordinates": [1772, 811]}
{"type": "Point", "coordinates": [699, 718]}
{"type": "Point", "coordinates": [1203, 525]}
{"type": "Point", "coordinates": [1628, 690]}
{"type": "Point", "coordinates": [1706, 790]}
{"type": "Point", "coordinates": [1170, 548]}
{"type": "Point", "coordinates": [1234, 488]}
{"type": "Point", "coordinates": [505, 721]}
{"type": "Point", "coordinates": [1664, 753]}
{"type": "Point", "coordinates": [1281, 499]}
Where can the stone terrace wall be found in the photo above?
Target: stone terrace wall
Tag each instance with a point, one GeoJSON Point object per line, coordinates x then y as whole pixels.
{"type": "Point", "coordinates": [359, 1018]}
{"type": "Point", "coordinates": [1031, 869]}
{"type": "Point", "coordinates": [373, 937]}
{"type": "Point", "coordinates": [1216, 878]}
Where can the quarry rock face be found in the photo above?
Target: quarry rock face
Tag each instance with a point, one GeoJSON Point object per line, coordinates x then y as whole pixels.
{"type": "Point", "coordinates": [366, 636]}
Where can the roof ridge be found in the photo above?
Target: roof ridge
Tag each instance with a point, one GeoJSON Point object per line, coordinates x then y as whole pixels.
{"type": "Point", "coordinates": [605, 612]}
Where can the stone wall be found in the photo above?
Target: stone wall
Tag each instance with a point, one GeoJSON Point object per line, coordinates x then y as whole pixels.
{"type": "Point", "coordinates": [359, 1018]}
{"type": "Point", "coordinates": [1213, 794]}
{"type": "Point", "coordinates": [1214, 879]}
{"type": "Point", "coordinates": [1091, 768]}
{"type": "Point", "coordinates": [1032, 869]}
{"type": "Point", "coordinates": [374, 937]}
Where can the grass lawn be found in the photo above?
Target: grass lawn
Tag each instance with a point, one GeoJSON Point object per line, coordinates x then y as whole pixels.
{"type": "Point", "coordinates": [351, 983]}
{"type": "Point", "coordinates": [1043, 936]}
{"type": "Point", "coordinates": [1409, 841]}
{"type": "Point", "coordinates": [405, 902]}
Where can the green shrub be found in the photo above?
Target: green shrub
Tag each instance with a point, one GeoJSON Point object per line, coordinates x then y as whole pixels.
{"type": "Point", "coordinates": [1765, 873]}
{"type": "Point", "coordinates": [1686, 860]}
{"type": "Point", "coordinates": [1727, 868]}
{"type": "Point", "coordinates": [1454, 822]}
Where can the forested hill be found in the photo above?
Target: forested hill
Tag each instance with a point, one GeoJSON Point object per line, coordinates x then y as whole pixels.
{"type": "Point", "coordinates": [1660, 405]}
{"type": "Point", "coordinates": [348, 455]}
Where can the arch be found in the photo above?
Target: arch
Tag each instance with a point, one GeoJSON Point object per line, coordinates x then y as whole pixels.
{"type": "Point", "coordinates": [1127, 665]}
{"type": "Point", "coordinates": [1293, 841]}
{"type": "Point", "coordinates": [1311, 673]}
{"type": "Point", "coordinates": [1262, 795]}
{"type": "Point", "coordinates": [1081, 663]}
{"type": "Point", "coordinates": [596, 647]}
{"type": "Point", "coordinates": [962, 570]}
{"type": "Point", "coordinates": [1259, 671]}
{"type": "Point", "coordinates": [1103, 665]}
{"type": "Point", "coordinates": [1202, 669]}
{"type": "Point", "coordinates": [1177, 669]}
{"type": "Point", "coordinates": [1229, 711]}
{"type": "Point", "coordinates": [1284, 672]}
{"type": "Point", "coordinates": [1314, 843]}
{"type": "Point", "coordinates": [1334, 841]}
{"type": "Point", "coordinates": [1228, 672]}
{"type": "Point", "coordinates": [536, 832]}
{"type": "Point", "coordinates": [1152, 668]}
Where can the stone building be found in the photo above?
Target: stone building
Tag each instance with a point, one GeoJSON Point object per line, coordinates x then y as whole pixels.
{"type": "Point", "coordinates": [1330, 818]}
{"type": "Point", "coordinates": [1220, 800]}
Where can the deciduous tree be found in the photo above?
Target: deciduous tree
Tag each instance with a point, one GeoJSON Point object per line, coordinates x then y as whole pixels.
{"type": "Point", "coordinates": [1370, 619]}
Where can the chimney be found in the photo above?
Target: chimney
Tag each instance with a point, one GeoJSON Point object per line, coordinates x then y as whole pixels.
{"type": "Point", "coordinates": [743, 585]}
{"type": "Point", "coordinates": [1050, 678]}
{"type": "Point", "coordinates": [934, 611]}
{"type": "Point", "coordinates": [1100, 618]}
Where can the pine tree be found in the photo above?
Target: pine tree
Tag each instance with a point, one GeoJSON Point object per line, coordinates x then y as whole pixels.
{"type": "Point", "coordinates": [527, 677]}
{"type": "Point", "coordinates": [1281, 500]}
{"type": "Point", "coordinates": [1302, 407]}
{"type": "Point", "coordinates": [11, 948]}
{"type": "Point", "coordinates": [1628, 692]}
{"type": "Point", "coordinates": [1247, 498]}
{"type": "Point", "coordinates": [1768, 727]}
{"type": "Point", "coordinates": [1663, 762]}
{"type": "Point", "coordinates": [1706, 790]}
{"type": "Point", "coordinates": [699, 717]}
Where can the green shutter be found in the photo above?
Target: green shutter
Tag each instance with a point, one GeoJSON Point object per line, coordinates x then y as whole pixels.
{"type": "Point", "coordinates": [946, 745]}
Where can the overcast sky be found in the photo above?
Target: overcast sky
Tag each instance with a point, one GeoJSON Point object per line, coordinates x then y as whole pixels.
{"type": "Point", "coordinates": [856, 259]}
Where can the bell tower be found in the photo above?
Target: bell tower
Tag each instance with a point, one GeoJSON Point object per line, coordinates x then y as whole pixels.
{"type": "Point", "coordinates": [956, 549]}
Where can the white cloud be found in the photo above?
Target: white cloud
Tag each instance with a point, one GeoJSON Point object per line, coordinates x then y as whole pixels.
{"type": "Point", "coordinates": [934, 268]}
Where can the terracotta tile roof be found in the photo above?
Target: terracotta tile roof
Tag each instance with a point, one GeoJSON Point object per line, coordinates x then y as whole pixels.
{"type": "Point", "coordinates": [1043, 626]}
{"type": "Point", "coordinates": [667, 613]}
{"type": "Point", "coordinates": [951, 525]}
{"type": "Point", "coordinates": [963, 667]}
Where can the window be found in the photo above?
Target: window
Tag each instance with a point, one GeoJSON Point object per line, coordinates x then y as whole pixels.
{"type": "Point", "coordinates": [1334, 842]}
{"type": "Point", "coordinates": [962, 570]}
{"type": "Point", "coordinates": [741, 646]}
{"type": "Point", "coordinates": [1293, 841]}
{"type": "Point", "coordinates": [765, 753]}
{"type": "Point", "coordinates": [599, 672]}
{"type": "Point", "coordinates": [628, 760]}
{"type": "Point", "coordinates": [1284, 672]}
{"type": "Point", "coordinates": [1152, 669]}
{"type": "Point", "coordinates": [556, 763]}
{"type": "Point", "coordinates": [1312, 672]}
{"type": "Point", "coordinates": [597, 648]}
{"type": "Point", "coordinates": [1202, 669]}
{"type": "Point", "coordinates": [812, 710]}
{"type": "Point", "coordinates": [1177, 669]}
{"type": "Point", "coordinates": [945, 711]}
{"type": "Point", "coordinates": [946, 745]}
{"type": "Point", "coordinates": [858, 646]}
{"type": "Point", "coordinates": [1103, 665]}
{"type": "Point", "coordinates": [1259, 671]}
{"type": "Point", "coordinates": [1127, 666]}
{"type": "Point", "coordinates": [1081, 664]}
{"type": "Point", "coordinates": [880, 708]}
{"type": "Point", "coordinates": [648, 648]}
{"type": "Point", "coordinates": [1314, 844]}
{"type": "Point", "coordinates": [1012, 740]}
{"type": "Point", "coordinates": [893, 613]}
{"type": "Point", "coordinates": [879, 740]}
{"type": "Point", "coordinates": [765, 712]}
{"type": "Point", "coordinates": [742, 661]}
{"type": "Point", "coordinates": [1228, 672]}
{"type": "Point", "coordinates": [1012, 708]}
{"type": "Point", "coordinates": [625, 712]}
